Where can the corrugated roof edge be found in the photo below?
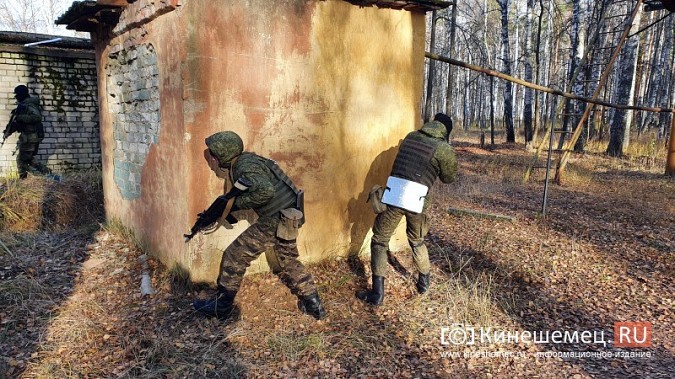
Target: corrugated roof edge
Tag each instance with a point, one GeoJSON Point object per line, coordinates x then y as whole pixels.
{"type": "Point", "coordinates": [76, 10]}
{"type": "Point", "coordinates": [20, 38]}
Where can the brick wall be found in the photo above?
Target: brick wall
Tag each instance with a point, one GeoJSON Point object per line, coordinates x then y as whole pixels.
{"type": "Point", "coordinates": [64, 79]}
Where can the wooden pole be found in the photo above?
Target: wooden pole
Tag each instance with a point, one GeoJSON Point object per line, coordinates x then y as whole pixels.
{"type": "Point", "coordinates": [670, 160]}
{"type": "Point", "coordinates": [521, 82]}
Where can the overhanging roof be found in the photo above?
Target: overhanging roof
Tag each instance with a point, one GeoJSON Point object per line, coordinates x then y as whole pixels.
{"type": "Point", "coordinates": [409, 5]}
{"type": "Point", "coordinates": [85, 16]}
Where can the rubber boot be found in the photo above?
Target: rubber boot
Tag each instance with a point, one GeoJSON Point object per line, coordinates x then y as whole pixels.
{"type": "Point", "coordinates": [422, 283]}
{"type": "Point", "coordinates": [221, 306]}
{"type": "Point", "coordinates": [376, 295]}
{"type": "Point", "coordinates": [312, 306]}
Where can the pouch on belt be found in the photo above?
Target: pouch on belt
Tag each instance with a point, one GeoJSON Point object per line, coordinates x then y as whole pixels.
{"type": "Point", "coordinates": [288, 227]}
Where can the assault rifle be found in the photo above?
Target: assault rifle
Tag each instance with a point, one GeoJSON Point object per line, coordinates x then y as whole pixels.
{"type": "Point", "coordinates": [217, 209]}
{"type": "Point", "coordinates": [11, 127]}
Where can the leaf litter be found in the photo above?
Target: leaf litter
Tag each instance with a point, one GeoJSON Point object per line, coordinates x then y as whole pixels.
{"type": "Point", "coordinates": [71, 305]}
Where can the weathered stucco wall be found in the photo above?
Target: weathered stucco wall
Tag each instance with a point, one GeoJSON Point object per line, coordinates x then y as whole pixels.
{"type": "Point", "coordinates": [326, 88]}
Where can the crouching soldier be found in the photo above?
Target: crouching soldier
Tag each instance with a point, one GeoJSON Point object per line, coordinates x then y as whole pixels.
{"type": "Point", "coordinates": [259, 184]}
{"type": "Point", "coordinates": [424, 155]}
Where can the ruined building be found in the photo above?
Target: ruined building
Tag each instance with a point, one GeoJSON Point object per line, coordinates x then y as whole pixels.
{"type": "Point", "coordinates": [326, 88]}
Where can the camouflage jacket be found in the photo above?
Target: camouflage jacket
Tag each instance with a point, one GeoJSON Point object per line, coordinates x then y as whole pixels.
{"type": "Point", "coordinates": [443, 161]}
{"type": "Point", "coordinates": [28, 115]}
{"type": "Point", "coordinates": [261, 191]}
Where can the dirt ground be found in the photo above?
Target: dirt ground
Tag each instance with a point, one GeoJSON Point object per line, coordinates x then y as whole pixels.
{"type": "Point", "coordinates": [530, 297]}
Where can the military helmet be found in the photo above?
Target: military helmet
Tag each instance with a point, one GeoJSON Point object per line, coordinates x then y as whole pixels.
{"type": "Point", "coordinates": [225, 146]}
{"type": "Point", "coordinates": [21, 92]}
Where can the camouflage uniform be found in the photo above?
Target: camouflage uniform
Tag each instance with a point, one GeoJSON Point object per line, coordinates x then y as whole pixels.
{"type": "Point", "coordinates": [261, 237]}
{"type": "Point", "coordinates": [443, 165]}
{"type": "Point", "coordinates": [29, 120]}
{"type": "Point", "coordinates": [268, 192]}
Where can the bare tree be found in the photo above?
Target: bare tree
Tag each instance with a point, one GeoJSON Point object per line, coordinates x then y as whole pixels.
{"type": "Point", "coordinates": [33, 16]}
{"type": "Point", "coordinates": [432, 66]}
{"type": "Point", "coordinates": [665, 76]}
{"type": "Point", "coordinates": [451, 69]}
{"type": "Point", "coordinates": [506, 68]}
{"type": "Point", "coordinates": [624, 89]}
{"type": "Point", "coordinates": [527, 108]}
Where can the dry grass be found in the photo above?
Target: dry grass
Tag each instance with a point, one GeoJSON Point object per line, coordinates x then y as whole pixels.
{"type": "Point", "coordinates": [21, 293]}
{"type": "Point", "coordinates": [38, 203]}
{"type": "Point", "coordinates": [292, 346]}
{"type": "Point", "coordinates": [96, 324]}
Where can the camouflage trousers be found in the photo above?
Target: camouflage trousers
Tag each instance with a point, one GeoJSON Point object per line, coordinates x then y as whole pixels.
{"type": "Point", "coordinates": [385, 224]}
{"type": "Point", "coordinates": [28, 148]}
{"type": "Point", "coordinates": [281, 255]}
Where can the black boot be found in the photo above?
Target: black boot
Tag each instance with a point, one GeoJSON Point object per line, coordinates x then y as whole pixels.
{"type": "Point", "coordinates": [312, 306]}
{"type": "Point", "coordinates": [422, 283]}
{"type": "Point", "coordinates": [221, 306]}
{"type": "Point", "coordinates": [376, 295]}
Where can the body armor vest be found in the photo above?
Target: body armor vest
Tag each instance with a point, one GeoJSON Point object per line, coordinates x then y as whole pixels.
{"type": "Point", "coordinates": [286, 194]}
{"type": "Point", "coordinates": [413, 162]}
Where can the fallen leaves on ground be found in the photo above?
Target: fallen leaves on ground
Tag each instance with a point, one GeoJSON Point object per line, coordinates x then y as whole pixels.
{"type": "Point", "coordinates": [71, 304]}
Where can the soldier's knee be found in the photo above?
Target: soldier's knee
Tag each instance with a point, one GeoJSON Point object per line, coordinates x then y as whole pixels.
{"type": "Point", "coordinates": [379, 241]}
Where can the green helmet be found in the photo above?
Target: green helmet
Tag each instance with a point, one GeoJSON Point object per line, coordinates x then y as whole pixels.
{"type": "Point", "coordinates": [225, 146]}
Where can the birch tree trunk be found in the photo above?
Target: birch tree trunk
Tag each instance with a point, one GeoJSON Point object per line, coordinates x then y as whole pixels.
{"type": "Point", "coordinates": [492, 110]}
{"type": "Point", "coordinates": [451, 68]}
{"type": "Point", "coordinates": [623, 93]}
{"type": "Point", "coordinates": [432, 64]}
{"type": "Point", "coordinates": [578, 107]}
{"type": "Point", "coordinates": [666, 61]}
{"type": "Point", "coordinates": [644, 72]}
{"type": "Point", "coordinates": [653, 82]}
{"type": "Point", "coordinates": [506, 68]}
{"type": "Point", "coordinates": [571, 69]}
{"type": "Point", "coordinates": [538, 98]}
{"type": "Point", "coordinates": [527, 106]}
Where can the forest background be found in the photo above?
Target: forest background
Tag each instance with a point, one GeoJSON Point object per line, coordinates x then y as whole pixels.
{"type": "Point", "coordinates": [566, 46]}
{"type": "Point", "coordinates": [70, 305]}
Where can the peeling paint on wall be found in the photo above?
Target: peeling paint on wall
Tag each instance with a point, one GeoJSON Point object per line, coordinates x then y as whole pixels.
{"type": "Point", "coordinates": [133, 98]}
{"type": "Point", "coordinates": [314, 85]}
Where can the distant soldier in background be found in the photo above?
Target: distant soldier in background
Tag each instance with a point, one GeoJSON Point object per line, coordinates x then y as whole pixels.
{"type": "Point", "coordinates": [424, 155]}
{"type": "Point", "coordinates": [27, 121]}
{"type": "Point", "coordinates": [258, 183]}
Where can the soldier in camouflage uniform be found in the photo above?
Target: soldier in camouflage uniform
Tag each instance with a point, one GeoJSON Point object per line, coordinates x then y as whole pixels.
{"type": "Point", "coordinates": [28, 119]}
{"type": "Point", "coordinates": [272, 195]}
{"type": "Point", "coordinates": [423, 156]}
